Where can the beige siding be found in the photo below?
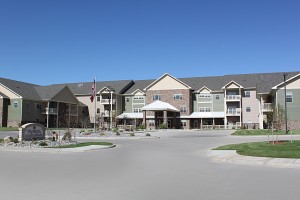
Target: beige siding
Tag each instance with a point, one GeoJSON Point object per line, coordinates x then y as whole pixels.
{"type": "Point", "coordinates": [8, 93]}
{"type": "Point", "coordinates": [294, 85]}
{"type": "Point", "coordinates": [86, 100]}
{"type": "Point", "coordinates": [168, 83]}
{"type": "Point", "coordinates": [232, 86]}
{"type": "Point", "coordinates": [253, 103]}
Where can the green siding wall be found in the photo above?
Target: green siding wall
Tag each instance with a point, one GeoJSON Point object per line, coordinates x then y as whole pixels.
{"type": "Point", "coordinates": [14, 114]}
{"type": "Point", "coordinates": [293, 108]}
{"type": "Point", "coordinates": [128, 105]}
{"type": "Point", "coordinates": [218, 104]}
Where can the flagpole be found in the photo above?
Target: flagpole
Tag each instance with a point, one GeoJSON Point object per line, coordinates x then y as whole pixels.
{"type": "Point", "coordinates": [95, 100]}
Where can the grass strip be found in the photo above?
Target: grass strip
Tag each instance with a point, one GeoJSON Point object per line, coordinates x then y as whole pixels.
{"type": "Point", "coordinates": [281, 149]}
{"type": "Point", "coordinates": [246, 132]}
{"type": "Point", "coordinates": [8, 129]}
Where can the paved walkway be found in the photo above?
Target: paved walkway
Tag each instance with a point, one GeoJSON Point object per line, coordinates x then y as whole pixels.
{"type": "Point", "coordinates": [230, 156]}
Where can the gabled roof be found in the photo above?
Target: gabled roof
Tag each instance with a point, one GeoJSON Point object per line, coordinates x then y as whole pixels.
{"type": "Point", "coordinates": [163, 76]}
{"type": "Point", "coordinates": [287, 81]}
{"type": "Point", "coordinates": [48, 92]}
{"type": "Point", "coordinates": [204, 87]}
{"type": "Point", "coordinates": [138, 85]}
{"type": "Point", "coordinates": [109, 88]}
{"type": "Point", "coordinates": [136, 91]}
{"type": "Point", "coordinates": [232, 82]}
{"type": "Point", "coordinates": [25, 90]}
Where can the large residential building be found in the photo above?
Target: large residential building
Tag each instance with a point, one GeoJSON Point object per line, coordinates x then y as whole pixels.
{"type": "Point", "coordinates": [230, 101]}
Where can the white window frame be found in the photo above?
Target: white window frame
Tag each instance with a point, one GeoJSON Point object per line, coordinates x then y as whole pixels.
{"type": "Point", "coordinates": [138, 97]}
{"type": "Point", "coordinates": [247, 94]}
{"type": "Point", "coordinates": [183, 109]}
{"type": "Point", "coordinates": [204, 95]}
{"type": "Point", "coordinates": [177, 96]}
{"type": "Point", "coordinates": [204, 109]}
{"type": "Point", "coordinates": [156, 97]}
{"type": "Point", "coordinates": [217, 97]}
{"type": "Point", "coordinates": [289, 95]}
{"type": "Point", "coordinates": [137, 110]}
{"type": "Point", "coordinates": [15, 104]}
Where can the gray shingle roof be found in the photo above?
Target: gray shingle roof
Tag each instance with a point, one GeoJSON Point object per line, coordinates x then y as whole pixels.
{"type": "Point", "coordinates": [86, 87]}
{"type": "Point", "coordinates": [26, 90]}
{"type": "Point", "coordinates": [48, 92]}
{"type": "Point", "coordinates": [263, 81]}
{"type": "Point", "coordinates": [139, 84]}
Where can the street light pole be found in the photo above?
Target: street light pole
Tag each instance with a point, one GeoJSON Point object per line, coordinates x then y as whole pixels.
{"type": "Point", "coordinates": [285, 106]}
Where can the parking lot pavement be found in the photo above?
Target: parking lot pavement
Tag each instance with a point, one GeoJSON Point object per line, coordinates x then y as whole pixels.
{"type": "Point", "coordinates": [13, 134]}
{"type": "Point", "coordinates": [174, 167]}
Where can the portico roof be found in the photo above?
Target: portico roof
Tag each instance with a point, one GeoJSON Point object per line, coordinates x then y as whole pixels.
{"type": "Point", "coordinates": [160, 106]}
{"type": "Point", "coordinates": [207, 115]}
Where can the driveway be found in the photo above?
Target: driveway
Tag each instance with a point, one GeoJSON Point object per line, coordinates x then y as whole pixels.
{"type": "Point", "coordinates": [176, 166]}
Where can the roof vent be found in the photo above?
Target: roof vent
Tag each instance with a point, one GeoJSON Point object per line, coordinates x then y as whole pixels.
{"type": "Point", "coordinates": [80, 85]}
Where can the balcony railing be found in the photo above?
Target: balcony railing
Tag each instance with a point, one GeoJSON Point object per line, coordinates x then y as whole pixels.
{"type": "Point", "coordinates": [50, 111]}
{"type": "Point", "coordinates": [267, 107]}
{"type": "Point", "coordinates": [233, 97]}
{"type": "Point", "coordinates": [233, 112]}
{"type": "Point", "coordinates": [72, 112]}
{"type": "Point", "coordinates": [108, 101]}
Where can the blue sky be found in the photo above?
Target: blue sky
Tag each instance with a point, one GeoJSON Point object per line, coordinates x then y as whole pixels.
{"type": "Point", "coordinates": [60, 41]}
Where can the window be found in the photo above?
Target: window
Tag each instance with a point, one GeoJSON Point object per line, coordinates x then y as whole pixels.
{"type": "Point", "coordinates": [138, 98]}
{"type": "Point", "coordinates": [183, 123]}
{"type": "Point", "coordinates": [204, 95]}
{"type": "Point", "coordinates": [98, 98]}
{"type": "Point", "coordinates": [127, 99]}
{"type": "Point", "coordinates": [15, 104]}
{"type": "Point", "coordinates": [248, 109]}
{"type": "Point", "coordinates": [289, 97]}
{"type": "Point", "coordinates": [247, 93]}
{"type": "Point", "coordinates": [177, 96]}
{"type": "Point", "coordinates": [217, 97]}
{"type": "Point", "coordinates": [204, 109]}
{"type": "Point", "coordinates": [183, 109]}
{"type": "Point", "coordinates": [98, 110]}
{"type": "Point", "coordinates": [137, 110]}
{"type": "Point", "coordinates": [156, 97]}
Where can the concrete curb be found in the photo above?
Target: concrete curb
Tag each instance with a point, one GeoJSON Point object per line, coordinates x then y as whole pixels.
{"type": "Point", "coordinates": [118, 138]}
{"type": "Point", "coordinates": [57, 150]}
{"type": "Point", "coordinates": [230, 156]}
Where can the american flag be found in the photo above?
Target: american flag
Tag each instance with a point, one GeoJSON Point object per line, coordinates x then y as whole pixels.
{"type": "Point", "coordinates": [93, 91]}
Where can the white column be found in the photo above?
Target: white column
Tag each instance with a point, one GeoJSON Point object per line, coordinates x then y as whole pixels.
{"type": "Point", "coordinates": [57, 114]}
{"type": "Point", "coordinates": [225, 110]}
{"type": "Point", "coordinates": [111, 103]}
{"type": "Point", "coordinates": [240, 107]}
{"type": "Point", "coordinates": [48, 106]}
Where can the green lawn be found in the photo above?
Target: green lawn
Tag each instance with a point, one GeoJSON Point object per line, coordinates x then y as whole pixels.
{"type": "Point", "coordinates": [285, 149]}
{"type": "Point", "coordinates": [86, 144]}
{"type": "Point", "coordinates": [8, 129]}
{"type": "Point", "coordinates": [262, 132]}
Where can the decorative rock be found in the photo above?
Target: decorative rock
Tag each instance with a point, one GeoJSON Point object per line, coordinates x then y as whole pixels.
{"type": "Point", "coordinates": [8, 139]}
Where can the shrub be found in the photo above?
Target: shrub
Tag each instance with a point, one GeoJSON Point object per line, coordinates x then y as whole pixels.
{"type": "Point", "coordinates": [115, 130]}
{"type": "Point", "coordinates": [132, 134]}
{"type": "Point", "coordinates": [142, 126]}
{"type": "Point", "coordinates": [118, 134]}
{"type": "Point", "coordinates": [148, 135]}
{"type": "Point", "coordinates": [102, 134]}
{"type": "Point", "coordinates": [16, 140]}
{"type": "Point", "coordinates": [163, 126]}
{"type": "Point", "coordinates": [43, 144]}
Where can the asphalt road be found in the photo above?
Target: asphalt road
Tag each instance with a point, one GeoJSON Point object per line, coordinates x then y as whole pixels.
{"type": "Point", "coordinates": [175, 167]}
{"type": "Point", "coordinates": [14, 134]}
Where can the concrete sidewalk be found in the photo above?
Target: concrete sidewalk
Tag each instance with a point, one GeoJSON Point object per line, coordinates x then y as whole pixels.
{"type": "Point", "coordinates": [230, 156]}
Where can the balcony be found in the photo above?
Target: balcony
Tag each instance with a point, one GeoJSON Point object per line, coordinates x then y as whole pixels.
{"type": "Point", "coordinates": [107, 101]}
{"type": "Point", "coordinates": [233, 112]}
{"type": "Point", "coordinates": [233, 97]}
{"type": "Point", "coordinates": [50, 111]}
{"type": "Point", "coordinates": [267, 107]}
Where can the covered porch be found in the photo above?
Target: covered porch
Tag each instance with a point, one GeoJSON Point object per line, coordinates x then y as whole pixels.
{"type": "Point", "coordinates": [207, 120]}
{"type": "Point", "coordinates": [165, 116]}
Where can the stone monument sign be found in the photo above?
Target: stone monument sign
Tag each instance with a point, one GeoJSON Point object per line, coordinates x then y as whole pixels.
{"type": "Point", "coordinates": [32, 131]}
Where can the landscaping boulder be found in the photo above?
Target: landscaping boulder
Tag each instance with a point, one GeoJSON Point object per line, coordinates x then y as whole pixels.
{"type": "Point", "coordinates": [8, 139]}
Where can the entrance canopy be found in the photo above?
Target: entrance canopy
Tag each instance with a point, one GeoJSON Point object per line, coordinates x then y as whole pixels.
{"type": "Point", "coordinates": [207, 115]}
{"type": "Point", "coordinates": [160, 106]}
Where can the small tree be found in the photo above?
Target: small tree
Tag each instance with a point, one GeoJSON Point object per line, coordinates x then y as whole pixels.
{"type": "Point", "coordinates": [276, 117]}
